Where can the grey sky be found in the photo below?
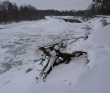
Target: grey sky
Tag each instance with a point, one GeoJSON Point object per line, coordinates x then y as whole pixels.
{"type": "Point", "coordinates": [55, 4]}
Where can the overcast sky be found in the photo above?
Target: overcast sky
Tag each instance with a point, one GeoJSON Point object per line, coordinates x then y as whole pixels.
{"type": "Point", "coordinates": [55, 4]}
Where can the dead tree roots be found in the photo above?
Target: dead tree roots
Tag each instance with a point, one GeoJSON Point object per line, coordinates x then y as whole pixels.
{"type": "Point", "coordinates": [53, 56]}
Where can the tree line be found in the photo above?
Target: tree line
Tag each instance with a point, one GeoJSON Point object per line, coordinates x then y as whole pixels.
{"type": "Point", "coordinates": [52, 12]}
{"type": "Point", "coordinates": [98, 7]}
{"type": "Point", "coordinates": [10, 12]}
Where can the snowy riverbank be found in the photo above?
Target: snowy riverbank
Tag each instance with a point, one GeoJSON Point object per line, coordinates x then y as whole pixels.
{"type": "Point", "coordinates": [19, 51]}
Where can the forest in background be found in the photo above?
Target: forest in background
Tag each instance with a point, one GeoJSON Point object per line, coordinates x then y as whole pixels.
{"type": "Point", "coordinates": [97, 7]}
{"type": "Point", "coordinates": [10, 12]}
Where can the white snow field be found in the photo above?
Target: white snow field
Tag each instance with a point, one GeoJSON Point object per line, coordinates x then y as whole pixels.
{"type": "Point", "coordinates": [19, 52]}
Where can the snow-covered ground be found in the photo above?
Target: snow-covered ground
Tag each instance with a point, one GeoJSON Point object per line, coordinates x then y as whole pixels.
{"type": "Point", "coordinates": [19, 52]}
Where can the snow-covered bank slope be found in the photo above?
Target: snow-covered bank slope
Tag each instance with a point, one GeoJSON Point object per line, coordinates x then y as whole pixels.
{"type": "Point", "coordinates": [97, 78]}
{"type": "Point", "coordinates": [19, 44]}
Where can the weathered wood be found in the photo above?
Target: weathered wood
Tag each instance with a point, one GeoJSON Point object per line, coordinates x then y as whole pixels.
{"type": "Point", "coordinates": [66, 58]}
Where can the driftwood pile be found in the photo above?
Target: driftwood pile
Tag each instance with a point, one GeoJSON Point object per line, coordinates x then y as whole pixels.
{"type": "Point", "coordinates": [53, 56]}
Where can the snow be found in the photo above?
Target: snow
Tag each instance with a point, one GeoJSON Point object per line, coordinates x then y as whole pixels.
{"type": "Point", "coordinates": [19, 51]}
{"type": "Point", "coordinates": [56, 47]}
{"type": "Point", "coordinates": [102, 36]}
{"type": "Point", "coordinates": [67, 73]}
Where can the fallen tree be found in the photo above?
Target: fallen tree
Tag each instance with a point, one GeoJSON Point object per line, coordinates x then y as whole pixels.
{"type": "Point", "coordinates": [53, 56]}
